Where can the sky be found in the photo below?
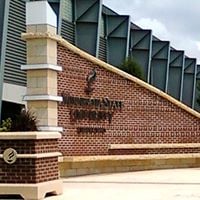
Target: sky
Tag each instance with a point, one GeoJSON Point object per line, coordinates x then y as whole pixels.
{"type": "Point", "coordinates": [177, 21]}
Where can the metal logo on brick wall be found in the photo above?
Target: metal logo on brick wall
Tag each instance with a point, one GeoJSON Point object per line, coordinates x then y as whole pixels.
{"type": "Point", "coordinates": [91, 78]}
{"type": "Point", "coordinates": [10, 156]}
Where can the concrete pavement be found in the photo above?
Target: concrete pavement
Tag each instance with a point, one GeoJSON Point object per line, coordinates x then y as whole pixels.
{"type": "Point", "coordinates": [175, 184]}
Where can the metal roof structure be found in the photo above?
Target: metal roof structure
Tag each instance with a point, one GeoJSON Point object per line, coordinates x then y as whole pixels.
{"type": "Point", "coordinates": [103, 33]}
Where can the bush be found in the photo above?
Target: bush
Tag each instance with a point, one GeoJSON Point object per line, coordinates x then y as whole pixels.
{"type": "Point", "coordinates": [132, 67]}
{"type": "Point", "coordinates": [25, 121]}
{"type": "Point", "coordinates": [6, 125]}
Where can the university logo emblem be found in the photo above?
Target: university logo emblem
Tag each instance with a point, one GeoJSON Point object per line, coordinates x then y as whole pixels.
{"type": "Point", "coordinates": [91, 78]}
{"type": "Point", "coordinates": [10, 156]}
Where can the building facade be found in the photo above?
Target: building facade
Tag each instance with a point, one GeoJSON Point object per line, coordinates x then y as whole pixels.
{"type": "Point", "coordinates": [103, 33]}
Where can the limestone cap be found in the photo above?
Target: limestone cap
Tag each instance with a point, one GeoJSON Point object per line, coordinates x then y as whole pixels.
{"type": "Point", "coordinates": [40, 12]}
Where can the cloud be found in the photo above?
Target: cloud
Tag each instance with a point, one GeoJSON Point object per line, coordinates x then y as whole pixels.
{"type": "Point", "coordinates": [176, 21]}
{"type": "Point", "coordinates": [159, 29]}
{"type": "Point", "coordinates": [198, 45]}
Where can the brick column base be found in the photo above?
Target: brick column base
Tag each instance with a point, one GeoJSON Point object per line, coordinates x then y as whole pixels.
{"type": "Point", "coordinates": [34, 171]}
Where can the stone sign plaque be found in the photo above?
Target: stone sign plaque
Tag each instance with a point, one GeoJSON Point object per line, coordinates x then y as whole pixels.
{"type": "Point", "coordinates": [10, 156]}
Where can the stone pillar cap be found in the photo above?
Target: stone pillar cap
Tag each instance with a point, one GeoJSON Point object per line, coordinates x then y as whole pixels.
{"type": "Point", "coordinates": [40, 12]}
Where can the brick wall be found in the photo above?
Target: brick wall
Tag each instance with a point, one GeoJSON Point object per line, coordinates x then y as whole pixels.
{"type": "Point", "coordinates": [30, 146]}
{"type": "Point", "coordinates": [29, 170]}
{"type": "Point", "coordinates": [145, 117]}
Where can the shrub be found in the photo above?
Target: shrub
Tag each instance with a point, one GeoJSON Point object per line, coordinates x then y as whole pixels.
{"type": "Point", "coordinates": [132, 67]}
{"type": "Point", "coordinates": [25, 121]}
{"type": "Point", "coordinates": [6, 125]}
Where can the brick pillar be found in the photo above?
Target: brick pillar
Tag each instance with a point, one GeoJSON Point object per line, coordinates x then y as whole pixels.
{"type": "Point", "coordinates": [29, 160]}
{"type": "Point", "coordinates": [42, 66]}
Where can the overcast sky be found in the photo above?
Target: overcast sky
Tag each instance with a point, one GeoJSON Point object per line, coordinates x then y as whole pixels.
{"type": "Point", "coordinates": [175, 20]}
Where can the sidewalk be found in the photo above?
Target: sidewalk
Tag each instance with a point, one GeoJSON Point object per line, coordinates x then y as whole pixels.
{"type": "Point", "coordinates": [176, 184]}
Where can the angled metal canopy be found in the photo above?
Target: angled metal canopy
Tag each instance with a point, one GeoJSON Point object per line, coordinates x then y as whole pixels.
{"type": "Point", "coordinates": [160, 64]}
{"type": "Point", "coordinates": [189, 81]}
{"type": "Point", "coordinates": [87, 20]}
{"type": "Point", "coordinates": [140, 49]}
{"type": "Point", "coordinates": [197, 88]}
{"type": "Point", "coordinates": [117, 34]}
{"type": "Point", "coordinates": [176, 72]}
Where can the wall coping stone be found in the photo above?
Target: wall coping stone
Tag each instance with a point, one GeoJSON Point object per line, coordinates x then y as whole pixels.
{"type": "Point", "coordinates": [38, 155]}
{"type": "Point", "coordinates": [153, 146]}
{"type": "Point", "coordinates": [96, 61]}
{"type": "Point", "coordinates": [50, 128]}
{"type": "Point", "coordinates": [42, 98]}
{"type": "Point", "coordinates": [41, 66]}
{"type": "Point", "coordinates": [29, 135]}
{"type": "Point", "coordinates": [125, 157]}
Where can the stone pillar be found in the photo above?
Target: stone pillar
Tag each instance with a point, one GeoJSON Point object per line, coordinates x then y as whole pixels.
{"type": "Point", "coordinates": [29, 160]}
{"type": "Point", "coordinates": [42, 66]}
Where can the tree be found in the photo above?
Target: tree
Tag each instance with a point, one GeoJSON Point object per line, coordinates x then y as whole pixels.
{"type": "Point", "coordinates": [132, 67]}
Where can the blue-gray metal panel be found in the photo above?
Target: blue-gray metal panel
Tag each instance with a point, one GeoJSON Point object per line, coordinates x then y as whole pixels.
{"type": "Point", "coordinates": [53, 1]}
{"type": "Point", "coordinates": [176, 68]}
{"type": "Point", "coordinates": [189, 81]}
{"type": "Point", "coordinates": [68, 31]}
{"type": "Point", "coordinates": [56, 8]}
{"type": "Point", "coordinates": [198, 72]}
{"type": "Point", "coordinates": [2, 6]}
{"type": "Point", "coordinates": [140, 49]}
{"type": "Point", "coordinates": [160, 64]}
{"type": "Point", "coordinates": [197, 93]}
{"type": "Point", "coordinates": [189, 65]}
{"type": "Point", "coordinates": [102, 26]}
{"type": "Point", "coordinates": [66, 25]}
{"type": "Point", "coordinates": [15, 47]}
{"type": "Point", "coordinates": [4, 22]}
{"type": "Point", "coordinates": [116, 51]}
{"type": "Point", "coordinates": [117, 33]}
{"type": "Point", "coordinates": [108, 11]}
{"type": "Point", "coordinates": [66, 9]}
{"type": "Point", "coordinates": [135, 27]}
{"type": "Point", "coordinates": [154, 38]}
{"type": "Point", "coordinates": [102, 54]}
{"type": "Point", "coordinates": [103, 49]}
{"type": "Point", "coordinates": [87, 18]}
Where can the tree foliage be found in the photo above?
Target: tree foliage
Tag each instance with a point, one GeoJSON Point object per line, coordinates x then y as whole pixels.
{"type": "Point", "coordinates": [132, 67]}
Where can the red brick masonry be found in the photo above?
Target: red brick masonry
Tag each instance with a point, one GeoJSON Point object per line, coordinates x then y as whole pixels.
{"type": "Point", "coordinates": [30, 146]}
{"type": "Point", "coordinates": [29, 170]}
{"type": "Point", "coordinates": [144, 118]}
